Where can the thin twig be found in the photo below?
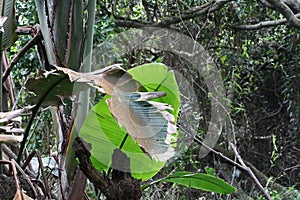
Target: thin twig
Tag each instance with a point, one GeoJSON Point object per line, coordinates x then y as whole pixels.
{"type": "Point", "coordinates": [25, 30]}
{"type": "Point", "coordinates": [38, 155]}
{"type": "Point", "coordinates": [43, 173]}
{"type": "Point", "coordinates": [21, 53]}
{"type": "Point", "coordinates": [8, 152]}
{"type": "Point", "coordinates": [261, 188]}
{"type": "Point", "coordinates": [14, 171]}
{"type": "Point", "coordinates": [209, 7]}
{"type": "Point", "coordinates": [196, 139]}
{"type": "Point", "coordinates": [25, 177]}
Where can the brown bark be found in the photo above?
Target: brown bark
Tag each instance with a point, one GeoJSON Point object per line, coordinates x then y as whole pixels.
{"type": "Point", "coordinates": [122, 186]}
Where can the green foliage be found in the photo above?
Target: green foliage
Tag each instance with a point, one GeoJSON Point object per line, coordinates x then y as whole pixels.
{"type": "Point", "coordinates": [260, 70]}
{"type": "Point", "coordinates": [26, 13]}
{"type": "Point", "coordinates": [289, 194]}
{"type": "Point", "coordinates": [210, 170]}
{"type": "Point", "coordinates": [156, 77]}
{"type": "Point", "coordinates": [103, 29]}
{"type": "Point", "coordinates": [102, 131]}
{"type": "Point", "coordinates": [200, 181]}
{"type": "Point", "coordinates": [26, 67]}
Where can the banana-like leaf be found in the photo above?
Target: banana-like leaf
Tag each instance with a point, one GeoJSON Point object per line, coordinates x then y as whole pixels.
{"type": "Point", "coordinates": [103, 132]}
{"type": "Point", "coordinates": [9, 35]}
{"type": "Point", "coordinates": [61, 27]}
{"type": "Point", "coordinates": [51, 88]}
{"type": "Point", "coordinates": [200, 181]}
{"type": "Point", "coordinates": [148, 122]}
{"type": "Point", "coordinates": [112, 79]}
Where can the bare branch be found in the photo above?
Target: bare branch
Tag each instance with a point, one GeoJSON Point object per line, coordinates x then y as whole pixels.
{"type": "Point", "coordinates": [266, 3]}
{"type": "Point", "coordinates": [129, 23]}
{"type": "Point", "coordinates": [197, 140]}
{"type": "Point", "coordinates": [293, 4]}
{"type": "Point", "coordinates": [25, 30]}
{"type": "Point", "coordinates": [218, 4]}
{"type": "Point", "coordinates": [199, 8]}
{"type": "Point", "coordinates": [262, 25]}
{"type": "Point", "coordinates": [238, 156]}
{"type": "Point", "coordinates": [286, 12]}
{"type": "Point", "coordinates": [209, 7]}
{"type": "Point", "coordinates": [21, 53]}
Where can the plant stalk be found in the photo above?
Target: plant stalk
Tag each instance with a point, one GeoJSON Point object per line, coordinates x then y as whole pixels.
{"type": "Point", "coordinates": [1, 93]}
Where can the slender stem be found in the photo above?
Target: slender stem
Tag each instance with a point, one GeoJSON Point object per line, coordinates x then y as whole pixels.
{"type": "Point", "coordinates": [26, 132]}
{"type": "Point", "coordinates": [30, 122]}
{"type": "Point", "coordinates": [1, 95]}
{"type": "Point", "coordinates": [1, 92]}
{"type": "Point", "coordinates": [261, 188]}
{"type": "Point", "coordinates": [20, 54]}
{"type": "Point", "coordinates": [198, 140]}
{"type": "Point", "coordinates": [1, 84]}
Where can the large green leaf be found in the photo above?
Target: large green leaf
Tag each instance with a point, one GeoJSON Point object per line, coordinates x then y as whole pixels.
{"type": "Point", "coordinates": [9, 36]}
{"type": "Point", "coordinates": [150, 75]}
{"type": "Point", "coordinates": [103, 132]}
{"type": "Point", "coordinates": [200, 181]}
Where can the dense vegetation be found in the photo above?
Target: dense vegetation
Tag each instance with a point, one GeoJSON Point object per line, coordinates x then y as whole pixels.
{"type": "Point", "coordinates": [255, 46]}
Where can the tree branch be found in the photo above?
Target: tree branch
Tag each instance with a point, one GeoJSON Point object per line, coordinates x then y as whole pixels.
{"type": "Point", "coordinates": [197, 140]}
{"type": "Point", "coordinates": [199, 8]}
{"type": "Point", "coordinates": [266, 3]}
{"type": "Point", "coordinates": [25, 30]}
{"type": "Point", "coordinates": [121, 186]}
{"type": "Point", "coordinates": [21, 53]}
{"type": "Point", "coordinates": [209, 7]}
{"type": "Point", "coordinates": [286, 12]}
{"type": "Point", "coordinates": [129, 23]}
{"type": "Point", "coordinates": [261, 25]}
{"type": "Point", "coordinates": [218, 4]}
{"type": "Point", "coordinates": [238, 156]}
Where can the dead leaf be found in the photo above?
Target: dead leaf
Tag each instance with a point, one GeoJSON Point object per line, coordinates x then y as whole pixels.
{"type": "Point", "coordinates": [11, 138]}
{"type": "Point", "coordinates": [109, 80]}
{"type": "Point", "coordinates": [11, 129]}
{"type": "Point", "coordinates": [6, 116]}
